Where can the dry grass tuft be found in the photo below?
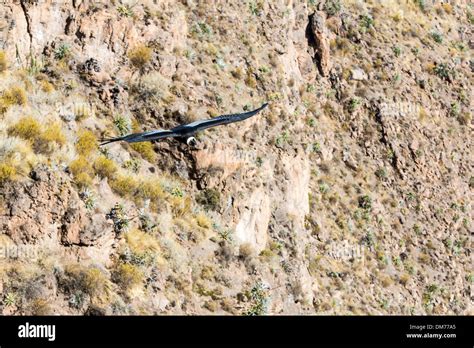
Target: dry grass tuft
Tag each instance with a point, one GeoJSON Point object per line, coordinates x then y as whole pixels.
{"type": "Point", "coordinates": [92, 281]}
{"type": "Point", "coordinates": [151, 189]}
{"type": "Point", "coordinates": [13, 96]}
{"type": "Point", "coordinates": [86, 143]}
{"type": "Point", "coordinates": [141, 242]}
{"type": "Point", "coordinates": [146, 150]}
{"type": "Point", "coordinates": [140, 56]}
{"type": "Point", "coordinates": [203, 221]}
{"type": "Point", "coordinates": [127, 276]}
{"type": "Point", "coordinates": [27, 128]}
{"type": "Point", "coordinates": [7, 172]}
{"type": "Point", "coordinates": [3, 62]}
{"type": "Point", "coordinates": [81, 169]}
{"type": "Point", "coordinates": [105, 167]}
{"type": "Point", "coordinates": [125, 185]}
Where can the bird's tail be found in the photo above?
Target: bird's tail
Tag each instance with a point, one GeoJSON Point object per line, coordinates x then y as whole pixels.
{"type": "Point", "coordinates": [106, 141]}
{"type": "Point", "coordinates": [263, 106]}
{"type": "Point", "coordinates": [129, 138]}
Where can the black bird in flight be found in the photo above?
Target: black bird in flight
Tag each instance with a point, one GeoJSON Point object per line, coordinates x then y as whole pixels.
{"type": "Point", "coordinates": [185, 132]}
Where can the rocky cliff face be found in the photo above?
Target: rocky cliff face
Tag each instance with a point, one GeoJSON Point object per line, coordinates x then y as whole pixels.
{"type": "Point", "coordinates": [351, 194]}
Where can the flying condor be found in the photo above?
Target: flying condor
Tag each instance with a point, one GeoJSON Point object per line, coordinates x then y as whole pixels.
{"type": "Point", "coordinates": [185, 132]}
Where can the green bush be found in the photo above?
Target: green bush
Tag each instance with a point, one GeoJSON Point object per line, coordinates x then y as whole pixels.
{"type": "Point", "coordinates": [209, 198]}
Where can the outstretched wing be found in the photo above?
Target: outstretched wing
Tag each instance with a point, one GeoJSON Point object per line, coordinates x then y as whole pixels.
{"type": "Point", "coordinates": [145, 136]}
{"type": "Point", "coordinates": [217, 121]}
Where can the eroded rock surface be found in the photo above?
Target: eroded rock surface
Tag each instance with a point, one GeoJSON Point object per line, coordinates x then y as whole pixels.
{"type": "Point", "coordinates": [47, 206]}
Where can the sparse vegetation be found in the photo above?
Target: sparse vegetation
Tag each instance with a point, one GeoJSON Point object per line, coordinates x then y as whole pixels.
{"type": "Point", "coordinates": [132, 165]}
{"type": "Point", "coordinates": [81, 112]}
{"type": "Point", "coordinates": [332, 7]}
{"type": "Point", "coordinates": [46, 86]}
{"type": "Point", "coordinates": [125, 11]}
{"type": "Point", "coordinates": [421, 4]}
{"type": "Point", "coordinates": [455, 109]}
{"type": "Point", "coordinates": [203, 221]}
{"type": "Point", "coordinates": [256, 7]}
{"type": "Point", "coordinates": [397, 51]}
{"type": "Point", "coordinates": [29, 128]}
{"type": "Point", "coordinates": [381, 173]}
{"type": "Point", "coordinates": [316, 147]}
{"type": "Point", "coordinates": [353, 105]}
{"type": "Point", "coordinates": [119, 218]}
{"type": "Point", "coordinates": [141, 243]}
{"type": "Point", "coordinates": [365, 202]}
{"type": "Point", "coordinates": [282, 139]}
{"type": "Point", "coordinates": [437, 37]}
{"type": "Point", "coordinates": [366, 22]}
{"type": "Point", "coordinates": [92, 281]}
{"type": "Point", "coordinates": [123, 125]}
{"type": "Point", "coordinates": [51, 134]}
{"type": "Point", "coordinates": [201, 29]}
{"type": "Point", "coordinates": [444, 72]}
{"type": "Point", "coordinates": [63, 51]}
{"type": "Point", "coordinates": [80, 165]}
{"type": "Point", "coordinates": [88, 198]}
{"type": "Point", "coordinates": [10, 299]}
{"type": "Point", "coordinates": [259, 300]}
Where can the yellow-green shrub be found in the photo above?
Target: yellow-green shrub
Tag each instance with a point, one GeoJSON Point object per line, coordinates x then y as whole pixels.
{"type": "Point", "coordinates": [95, 281]}
{"type": "Point", "coordinates": [3, 62]}
{"type": "Point", "coordinates": [80, 165]}
{"type": "Point", "coordinates": [203, 221]}
{"type": "Point", "coordinates": [86, 143]}
{"type": "Point", "coordinates": [180, 206]}
{"type": "Point", "coordinates": [127, 276]}
{"type": "Point", "coordinates": [105, 167]}
{"type": "Point", "coordinates": [124, 185]}
{"type": "Point", "coordinates": [83, 180]}
{"type": "Point", "coordinates": [27, 128]}
{"type": "Point", "coordinates": [141, 242]}
{"type": "Point", "coordinates": [53, 133]}
{"type": "Point", "coordinates": [91, 281]}
{"type": "Point", "coordinates": [46, 86]}
{"type": "Point", "coordinates": [140, 56]}
{"type": "Point", "coordinates": [81, 169]}
{"type": "Point", "coordinates": [151, 189]}
{"type": "Point", "coordinates": [13, 96]}
{"type": "Point", "coordinates": [40, 306]}
{"type": "Point", "coordinates": [30, 129]}
{"type": "Point", "coordinates": [7, 172]}
{"type": "Point", "coordinates": [145, 149]}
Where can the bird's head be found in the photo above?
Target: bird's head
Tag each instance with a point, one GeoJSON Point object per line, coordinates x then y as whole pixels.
{"type": "Point", "coordinates": [191, 141]}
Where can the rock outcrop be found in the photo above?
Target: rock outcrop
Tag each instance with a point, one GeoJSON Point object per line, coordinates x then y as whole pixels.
{"type": "Point", "coordinates": [47, 206]}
